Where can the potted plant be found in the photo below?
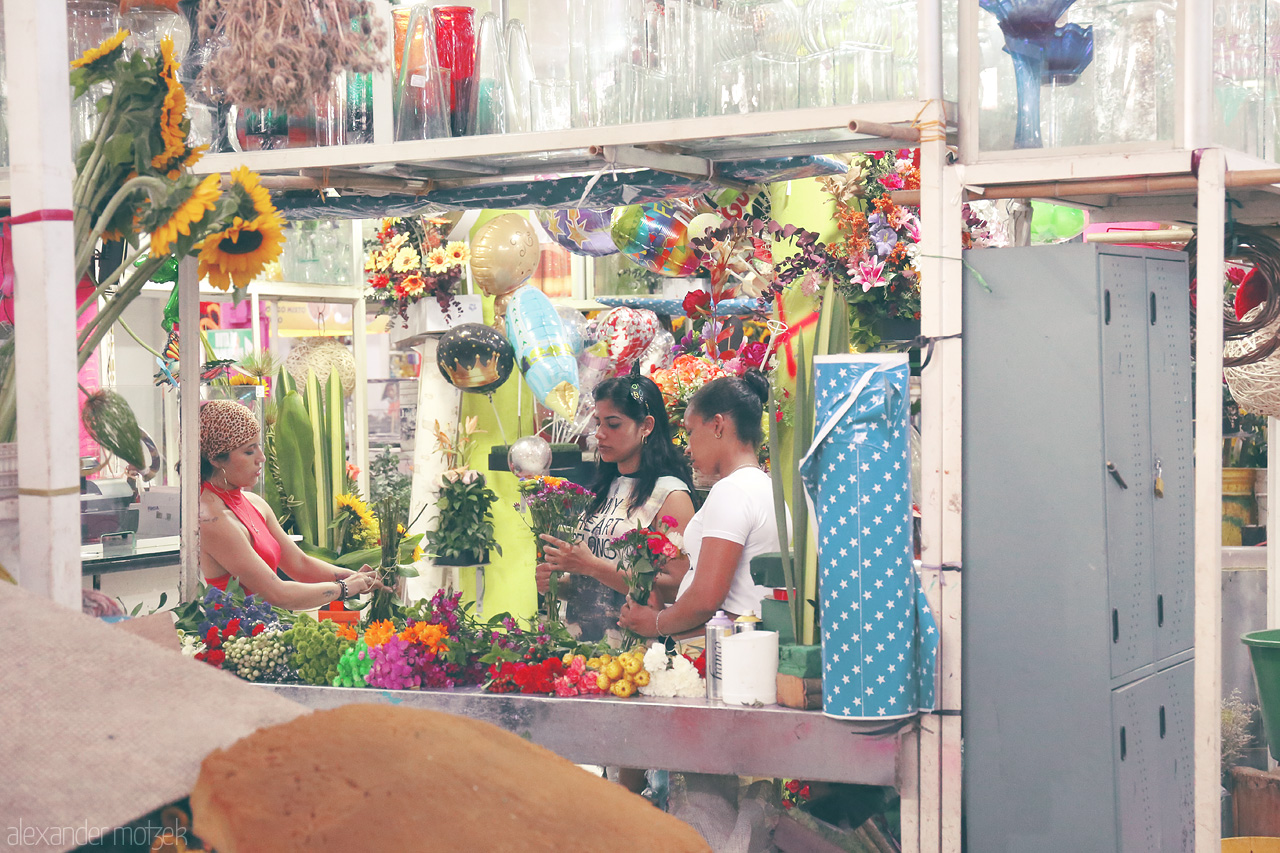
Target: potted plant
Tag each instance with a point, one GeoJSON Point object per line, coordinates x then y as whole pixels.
{"type": "Point", "coordinates": [463, 533]}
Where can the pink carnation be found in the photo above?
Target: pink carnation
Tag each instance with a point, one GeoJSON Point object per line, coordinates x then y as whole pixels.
{"type": "Point", "coordinates": [565, 686]}
{"type": "Point", "coordinates": [670, 521]}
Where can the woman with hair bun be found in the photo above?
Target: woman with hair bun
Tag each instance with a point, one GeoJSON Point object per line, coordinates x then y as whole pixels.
{"type": "Point", "coordinates": [641, 476]}
{"type": "Point", "coordinates": [736, 522]}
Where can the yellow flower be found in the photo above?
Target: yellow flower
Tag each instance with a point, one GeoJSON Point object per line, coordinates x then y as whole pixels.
{"type": "Point", "coordinates": [356, 506]}
{"type": "Point", "coordinates": [247, 183]}
{"type": "Point", "coordinates": [397, 241]}
{"type": "Point", "coordinates": [437, 261]}
{"type": "Point", "coordinates": [242, 379]}
{"type": "Point", "coordinates": [103, 50]}
{"type": "Point", "coordinates": [372, 261]}
{"type": "Point", "coordinates": [417, 553]}
{"type": "Point", "coordinates": [458, 253]}
{"type": "Point", "coordinates": [238, 254]}
{"type": "Point", "coordinates": [405, 260]}
{"type": "Point", "coordinates": [172, 115]}
{"type": "Point", "coordinates": [203, 198]}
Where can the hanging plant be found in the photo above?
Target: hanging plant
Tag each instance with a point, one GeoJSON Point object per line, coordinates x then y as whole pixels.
{"type": "Point", "coordinates": [282, 54]}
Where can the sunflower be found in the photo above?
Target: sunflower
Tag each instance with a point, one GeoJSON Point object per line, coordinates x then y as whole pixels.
{"type": "Point", "coordinates": [253, 198]}
{"type": "Point", "coordinates": [458, 253]}
{"type": "Point", "coordinates": [357, 507]}
{"type": "Point", "coordinates": [239, 253]}
{"type": "Point", "coordinates": [191, 210]}
{"type": "Point", "coordinates": [437, 261]}
{"type": "Point", "coordinates": [406, 259]}
{"type": "Point", "coordinates": [103, 53]}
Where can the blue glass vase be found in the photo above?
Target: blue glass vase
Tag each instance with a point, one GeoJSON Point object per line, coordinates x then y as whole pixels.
{"type": "Point", "coordinates": [1028, 69]}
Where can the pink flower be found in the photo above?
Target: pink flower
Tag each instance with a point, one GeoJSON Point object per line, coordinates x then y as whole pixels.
{"type": "Point", "coordinates": [869, 274]}
{"type": "Point", "coordinates": [811, 284]}
{"type": "Point", "coordinates": [565, 686]}
{"type": "Point", "coordinates": [892, 181]}
{"type": "Point", "coordinates": [670, 521]}
{"type": "Point", "coordinates": [670, 551]}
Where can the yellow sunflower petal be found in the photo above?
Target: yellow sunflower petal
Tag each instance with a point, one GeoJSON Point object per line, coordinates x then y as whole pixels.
{"type": "Point", "coordinates": [95, 53]}
{"type": "Point", "coordinates": [203, 197]}
{"type": "Point", "coordinates": [238, 254]}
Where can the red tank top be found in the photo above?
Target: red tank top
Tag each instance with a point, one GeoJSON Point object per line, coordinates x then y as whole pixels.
{"type": "Point", "coordinates": [264, 544]}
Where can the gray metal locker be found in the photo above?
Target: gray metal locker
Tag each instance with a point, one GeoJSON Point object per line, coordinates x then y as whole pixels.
{"type": "Point", "coordinates": [1078, 604]}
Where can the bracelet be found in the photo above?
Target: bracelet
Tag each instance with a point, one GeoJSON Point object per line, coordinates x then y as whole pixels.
{"type": "Point", "coordinates": [342, 586]}
{"type": "Point", "coordinates": [656, 620]}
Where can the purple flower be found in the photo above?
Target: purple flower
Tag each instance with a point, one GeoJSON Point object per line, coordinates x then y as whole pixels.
{"type": "Point", "coordinates": [884, 239]}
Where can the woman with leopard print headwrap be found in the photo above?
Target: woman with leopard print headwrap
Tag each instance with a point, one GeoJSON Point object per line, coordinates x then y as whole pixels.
{"type": "Point", "coordinates": [240, 536]}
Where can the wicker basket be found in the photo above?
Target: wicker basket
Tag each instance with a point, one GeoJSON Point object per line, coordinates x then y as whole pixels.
{"type": "Point", "coordinates": [1255, 387]}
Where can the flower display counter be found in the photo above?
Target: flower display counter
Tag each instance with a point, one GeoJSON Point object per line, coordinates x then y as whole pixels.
{"type": "Point", "coordinates": [691, 735]}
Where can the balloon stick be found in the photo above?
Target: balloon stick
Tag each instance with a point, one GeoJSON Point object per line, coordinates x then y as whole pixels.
{"type": "Point", "coordinates": [498, 417]}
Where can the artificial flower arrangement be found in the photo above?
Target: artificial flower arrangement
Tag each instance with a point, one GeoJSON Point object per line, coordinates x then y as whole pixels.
{"type": "Point", "coordinates": [408, 259]}
{"type": "Point", "coordinates": [874, 260]}
{"type": "Point", "coordinates": [554, 506]}
{"type": "Point", "coordinates": [463, 532]}
{"type": "Point", "coordinates": [643, 553]}
{"type": "Point", "coordinates": [133, 178]}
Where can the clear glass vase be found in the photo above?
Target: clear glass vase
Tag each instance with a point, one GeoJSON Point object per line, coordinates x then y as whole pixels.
{"type": "Point", "coordinates": [89, 23]}
{"type": "Point", "coordinates": [1134, 43]}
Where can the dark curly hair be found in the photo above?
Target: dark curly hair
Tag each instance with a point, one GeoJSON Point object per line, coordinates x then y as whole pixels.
{"type": "Point", "coordinates": [637, 397]}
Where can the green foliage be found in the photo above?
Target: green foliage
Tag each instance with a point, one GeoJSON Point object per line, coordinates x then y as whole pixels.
{"type": "Point", "coordinates": [111, 423]}
{"type": "Point", "coordinates": [465, 522]}
{"type": "Point", "coordinates": [386, 481]}
{"type": "Point", "coordinates": [295, 456]}
{"type": "Point", "coordinates": [317, 649]}
{"type": "Point", "coordinates": [1244, 435]}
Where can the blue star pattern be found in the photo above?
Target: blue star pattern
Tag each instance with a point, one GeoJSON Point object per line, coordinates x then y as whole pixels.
{"type": "Point", "coordinates": [879, 640]}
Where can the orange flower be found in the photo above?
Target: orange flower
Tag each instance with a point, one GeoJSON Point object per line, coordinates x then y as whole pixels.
{"type": "Point", "coordinates": [378, 633]}
{"type": "Point", "coordinates": [348, 633]}
{"type": "Point", "coordinates": [431, 636]}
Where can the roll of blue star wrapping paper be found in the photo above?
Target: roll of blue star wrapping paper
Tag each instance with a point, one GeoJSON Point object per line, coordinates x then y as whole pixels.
{"type": "Point", "coordinates": [879, 640]}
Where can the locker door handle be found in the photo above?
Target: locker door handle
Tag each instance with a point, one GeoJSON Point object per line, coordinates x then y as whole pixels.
{"type": "Point", "coordinates": [1106, 307]}
{"type": "Point", "coordinates": [1159, 611]}
{"type": "Point", "coordinates": [1123, 750]}
{"type": "Point", "coordinates": [1153, 309]}
{"type": "Point", "coordinates": [1115, 625]}
{"type": "Point", "coordinates": [1162, 721]}
{"type": "Point", "coordinates": [1115, 474]}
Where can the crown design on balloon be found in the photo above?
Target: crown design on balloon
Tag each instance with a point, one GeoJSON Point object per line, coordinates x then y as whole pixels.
{"type": "Point", "coordinates": [481, 372]}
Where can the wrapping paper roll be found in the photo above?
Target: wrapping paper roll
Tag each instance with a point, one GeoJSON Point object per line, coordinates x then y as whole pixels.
{"type": "Point", "coordinates": [879, 640]}
{"type": "Point", "coordinates": [543, 351]}
{"type": "Point", "coordinates": [749, 667]}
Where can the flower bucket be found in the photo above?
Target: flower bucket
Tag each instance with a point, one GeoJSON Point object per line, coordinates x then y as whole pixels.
{"type": "Point", "coordinates": [1264, 649]}
{"type": "Point", "coordinates": [335, 611]}
{"type": "Point", "coordinates": [1238, 505]}
{"type": "Point", "coordinates": [1252, 844]}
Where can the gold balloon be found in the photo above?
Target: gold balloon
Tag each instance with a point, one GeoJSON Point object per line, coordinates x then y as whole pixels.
{"type": "Point", "coordinates": [500, 304]}
{"type": "Point", "coordinates": [504, 253]}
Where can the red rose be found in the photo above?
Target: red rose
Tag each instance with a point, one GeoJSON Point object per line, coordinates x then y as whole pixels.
{"type": "Point", "coordinates": [258, 629]}
{"type": "Point", "coordinates": [216, 657]}
{"type": "Point", "coordinates": [232, 627]}
{"type": "Point", "coordinates": [697, 303]}
{"type": "Point", "coordinates": [213, 639]}
{"type": "Point", "coordinates": [793, 785]}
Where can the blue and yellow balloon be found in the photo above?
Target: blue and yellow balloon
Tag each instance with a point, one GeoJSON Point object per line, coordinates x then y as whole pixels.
{"type": "Point", "coordinates": [656, 236]}
{"type": "Point", "coordinates": [543, 351]}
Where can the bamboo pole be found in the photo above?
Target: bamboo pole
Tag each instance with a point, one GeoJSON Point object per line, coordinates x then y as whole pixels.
{"type": "Point", "coordinates": [1122, 186]}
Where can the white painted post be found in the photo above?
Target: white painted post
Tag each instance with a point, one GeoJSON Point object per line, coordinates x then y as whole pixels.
{"type": "Point", "coordinates": [940, 302]}
{"type": "Point", "coordinates": [191, 357]}
{"type": "Point", "coordinates": [1273, 523]}
{"type": "Point", "coordinates": [41, 174]}
{"type": "Point", "coordinates": [1210, 272]}
{"type": "Point", "coordinates": [437, 400]}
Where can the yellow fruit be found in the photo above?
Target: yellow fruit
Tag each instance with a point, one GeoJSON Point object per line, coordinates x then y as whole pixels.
{"type": "Point", "coordinates": [622, 689]}
{"type": "Point", "coordinates": [593, 663]}
{"type": "Point", "coordinates": [641, 678]}
{"type": "Point", "coordinates": [604, 659]}
{"type": "Point", "coordinates": [567, 659]}
{"type": "Point", "coordinates": [632, 664]}
{"type": "Point", "coordinates": [602, 681]}
{"type": "Point", "coordinates": [613, 669]}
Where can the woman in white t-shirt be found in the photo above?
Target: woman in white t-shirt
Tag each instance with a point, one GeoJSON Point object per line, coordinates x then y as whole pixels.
{"type": "Point", "coordinates": [735, 523]}
{"type": "Point", "coordinates": [641, 477]}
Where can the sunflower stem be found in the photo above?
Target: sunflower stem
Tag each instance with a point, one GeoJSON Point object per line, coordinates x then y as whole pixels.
{"type": "Point", "coordinates": [152, 186]}
{"type": "Point", "coordinates": [101, 290]}
{"type": "Point", "coordinates": [139, 340]}
{"type": "Point", "coordinates": [97, 328]}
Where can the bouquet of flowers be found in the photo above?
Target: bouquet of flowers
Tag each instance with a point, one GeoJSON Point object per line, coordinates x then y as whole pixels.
{"type": "Point", "coordinates": [407, 260]}
{"type": "Point", "coordinates": [874, 259]}
{"type": "Point", "coordinates": [642, 554]}
{"type": "Point", "coordinates": [555, 507]}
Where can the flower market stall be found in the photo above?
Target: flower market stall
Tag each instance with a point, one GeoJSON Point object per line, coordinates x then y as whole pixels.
{"type": "Point", "coordinates": [679, 140]}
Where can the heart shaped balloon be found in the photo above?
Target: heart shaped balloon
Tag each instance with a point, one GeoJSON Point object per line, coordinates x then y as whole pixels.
{"type": "Point", "coordinates": [629, 332]}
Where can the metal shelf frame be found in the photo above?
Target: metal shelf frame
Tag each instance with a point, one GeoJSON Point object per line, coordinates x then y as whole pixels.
{"type": "Point", "coordinates": [691, 735]}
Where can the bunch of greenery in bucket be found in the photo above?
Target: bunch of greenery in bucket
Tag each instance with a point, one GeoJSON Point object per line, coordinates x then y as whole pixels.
{"type": "Point", "coordinates": [397, 550]}
{"type": "Point", "coordinates": [133, 178]}
{"type": "Point", "coordinates": [463, 532]}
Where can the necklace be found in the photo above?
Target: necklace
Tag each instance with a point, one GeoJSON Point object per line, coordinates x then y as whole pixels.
{"type": "Point", "coordinates": [755, 465]}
